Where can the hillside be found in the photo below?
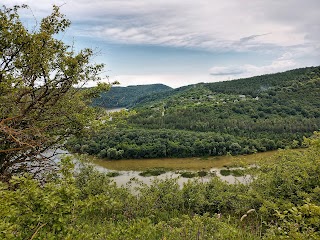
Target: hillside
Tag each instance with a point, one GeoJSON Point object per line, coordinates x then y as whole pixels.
{"type": "Point", "coordinates": [127, 96]}
{"type": "Point", "coordinates": [247, 86]}
{"type": "Point", "coordinates": [237, 117]}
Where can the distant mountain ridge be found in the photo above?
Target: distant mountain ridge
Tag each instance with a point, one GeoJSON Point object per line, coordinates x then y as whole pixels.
{"type": "Point", "coordinates": [252, 86]}
{"type": "Point", "coordinates": [119, 97]}
{"type": "Point", "coordinates": [139, 95]}
{"type": "Point", "coordinates": [242, 116]}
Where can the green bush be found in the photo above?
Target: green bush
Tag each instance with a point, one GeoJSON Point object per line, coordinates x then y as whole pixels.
{"type": "Point", "coordinates": [188, 174]}
{"type": "Point", "coordinates": [202, 173]}
{"type": "Point", "coordinates": [225, 172]}
{"type": "Point", "coordinates": [153, 172]}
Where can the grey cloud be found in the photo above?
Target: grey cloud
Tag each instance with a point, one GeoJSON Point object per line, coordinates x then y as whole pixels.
{"type": "Point", "coordinates": [313, 33]}
{"type": "Point", "coordinates": [211, 25]}
{"type": "Point", "coordinates": [224, 71]}
{"type": "Point", "coordinates": [251, 37]}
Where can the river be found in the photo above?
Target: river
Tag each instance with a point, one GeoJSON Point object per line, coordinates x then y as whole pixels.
{"type": "Point", "coordinates": [129, 170]}
{"type": "Point", "coordinates": [132, 168]}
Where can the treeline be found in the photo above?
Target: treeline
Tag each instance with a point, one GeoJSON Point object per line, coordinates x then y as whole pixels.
{"type": "Point", "coordinates": [160, 143]}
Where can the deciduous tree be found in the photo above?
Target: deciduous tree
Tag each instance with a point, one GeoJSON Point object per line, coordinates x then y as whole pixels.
{"type": "Point", "coordinates": [41, 100]}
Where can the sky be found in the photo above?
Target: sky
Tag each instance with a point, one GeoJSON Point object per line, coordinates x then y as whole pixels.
{"type": "Point", "coordinates": [182, 42]}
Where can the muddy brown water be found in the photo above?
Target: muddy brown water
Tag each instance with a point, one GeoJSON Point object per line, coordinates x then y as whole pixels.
{"type": "Point", "coordinates": [130, 169]}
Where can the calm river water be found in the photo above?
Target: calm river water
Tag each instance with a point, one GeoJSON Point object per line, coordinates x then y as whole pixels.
{"type": "Point", "coordinates": [129, 170]}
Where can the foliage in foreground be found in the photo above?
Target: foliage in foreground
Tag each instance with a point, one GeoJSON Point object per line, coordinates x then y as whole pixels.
{"type": "Point", "coordinates": [39, 105]}
{"type": "Point", "coordinates": [282, 202]}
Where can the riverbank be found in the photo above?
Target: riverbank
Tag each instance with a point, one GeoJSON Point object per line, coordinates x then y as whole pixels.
{"type": "Point", "coordinates": [193, 163]}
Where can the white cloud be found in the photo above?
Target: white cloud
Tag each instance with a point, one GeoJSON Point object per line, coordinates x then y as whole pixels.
{"type": "Point", "coordinates": [283, 63]}
{"type": "Point", "coordinates": [211, 25]}
{"type": "Point", "coordinates": [289, 29]}
{"type": "Point", "coordinates": [216, 73]}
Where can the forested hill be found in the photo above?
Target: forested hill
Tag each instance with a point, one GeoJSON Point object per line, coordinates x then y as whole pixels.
{"type": "Point", "coordinates": [255, 85]}
{"type": "Point", "coordinates": [282, 102]}
{"type": "Point", "coordinates": [252, 86]}
{"type": "Point", "coordinates": [128, 96]}
{"type": "Point", "coordinates": [238, 117]}
{"type": "Point", "coordinates": [140, 95]}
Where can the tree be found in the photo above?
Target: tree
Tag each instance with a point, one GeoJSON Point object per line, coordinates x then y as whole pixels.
{"type": "Point", "coordinates": [39, 103]}
{"type": "Point", "coordinates": [235, 148]}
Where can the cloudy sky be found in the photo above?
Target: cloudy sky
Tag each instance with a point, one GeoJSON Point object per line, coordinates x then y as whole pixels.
{"type": "Point", "coordinates": [180, 42]}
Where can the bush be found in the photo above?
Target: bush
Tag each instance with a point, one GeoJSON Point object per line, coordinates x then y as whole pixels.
{"type": "Point", "coordinates": [202, 173]}
{"type": "Point", "coordinates": [188, 174]}
{"type": "Point", "coordinates": [153, 172]}
{"type": "Point", "coordinates": [225, 172]}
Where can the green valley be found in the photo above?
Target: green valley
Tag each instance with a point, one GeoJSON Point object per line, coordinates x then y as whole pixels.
{"type": "Point", "coordinates": [263, 129]}
{"type": "Point", "coordinates": [243, 116]}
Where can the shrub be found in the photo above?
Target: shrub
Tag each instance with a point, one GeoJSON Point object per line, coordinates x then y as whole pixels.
{"type": "Point", "coordinates": [188, 174]}
{"type": "Point", "coordinates": [225, 172]}
{"type": "Point", "coordinates": [153, 172]}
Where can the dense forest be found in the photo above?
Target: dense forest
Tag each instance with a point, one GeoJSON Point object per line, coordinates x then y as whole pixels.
{"type": "Point", "coordinates": [248, 86]}
{"type": "Point", "coordinates": [125, 97]}
{"type": "Point", "coordinates": [237, 117]}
